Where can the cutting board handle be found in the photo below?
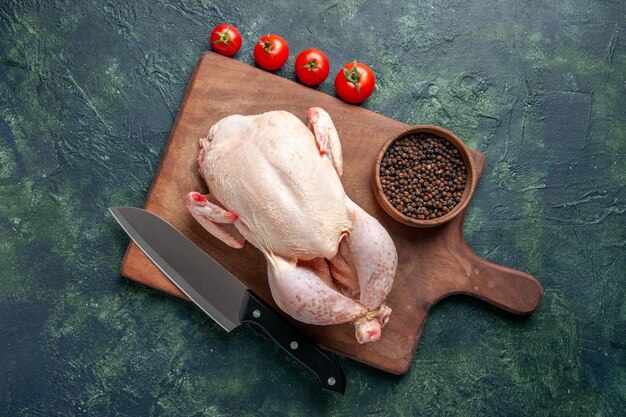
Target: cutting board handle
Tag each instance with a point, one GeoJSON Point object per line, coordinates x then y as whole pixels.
{"type": "Point", "coordinates": [506, 288]}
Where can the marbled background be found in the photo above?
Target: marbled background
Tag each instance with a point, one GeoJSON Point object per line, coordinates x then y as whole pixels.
{"type": "Point", "coordinates": [88, 94]}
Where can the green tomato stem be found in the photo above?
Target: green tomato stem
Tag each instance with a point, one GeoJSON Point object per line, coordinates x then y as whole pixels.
{"type": "Point", "coordinates": [353, 76]}
{"type": "Point", "coordinates": [224, 38]}
{"type": "Point", "coordinates": [311, 64]}
{"type": "Point", "coordinates": [267, 44]}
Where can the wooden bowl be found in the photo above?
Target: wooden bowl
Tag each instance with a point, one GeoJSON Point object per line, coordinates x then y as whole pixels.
{"type": "Point", "coordinates": [470, 182]}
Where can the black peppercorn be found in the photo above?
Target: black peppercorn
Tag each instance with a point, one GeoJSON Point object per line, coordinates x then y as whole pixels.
{"type": "Point", "coordinates": [426, 161]}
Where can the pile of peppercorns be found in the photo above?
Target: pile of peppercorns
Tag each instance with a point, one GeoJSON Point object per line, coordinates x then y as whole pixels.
{"type": "Point", "coordinates": [423, 176]}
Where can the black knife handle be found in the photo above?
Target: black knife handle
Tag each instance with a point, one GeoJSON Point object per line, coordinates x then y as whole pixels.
{"type": "Point", "coordinates": [325, 367]}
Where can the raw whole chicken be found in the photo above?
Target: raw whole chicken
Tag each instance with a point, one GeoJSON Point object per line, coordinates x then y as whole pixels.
{"type": "Point", "coordinates": [275, 182]}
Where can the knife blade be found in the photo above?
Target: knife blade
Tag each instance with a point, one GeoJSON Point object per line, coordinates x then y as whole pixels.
{"type": "Point", "coordinates": [219, 294]}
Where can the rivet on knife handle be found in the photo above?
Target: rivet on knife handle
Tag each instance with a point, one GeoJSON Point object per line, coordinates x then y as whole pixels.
{"type": "Point", "coordinates": [322, 363]}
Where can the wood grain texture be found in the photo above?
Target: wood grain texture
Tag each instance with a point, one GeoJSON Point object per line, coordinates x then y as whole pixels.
{"type": "Point", "coordinates": [433, 263]}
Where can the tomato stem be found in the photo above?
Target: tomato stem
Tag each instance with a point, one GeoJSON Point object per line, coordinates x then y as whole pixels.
{"type": "Point", "coordinates": [224, 38]}
{"type": "Point", "coordinates": [353, 76]}
{"type": "Point", "coordinates": [311, 64]}
{"type": "Point", "coordinates": [267, 44]}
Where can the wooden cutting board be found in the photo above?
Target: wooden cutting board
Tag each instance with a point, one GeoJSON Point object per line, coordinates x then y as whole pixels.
{"type": "Point", "coordinates": [432, 263]}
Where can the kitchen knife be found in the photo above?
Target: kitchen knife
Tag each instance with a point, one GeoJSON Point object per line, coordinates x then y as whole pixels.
{"type": "Point", "coordinates": [218, 293]}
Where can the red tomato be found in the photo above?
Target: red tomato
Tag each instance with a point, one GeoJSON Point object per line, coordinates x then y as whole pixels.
{"type": "Point", "coordinates": [355, 82]}
{"type": "Point", "coordinates": [312, 66]}
{"type": "Point", "coordinates": [271, 52]}
{"type": "Point", "coordinates": [226, 40]}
